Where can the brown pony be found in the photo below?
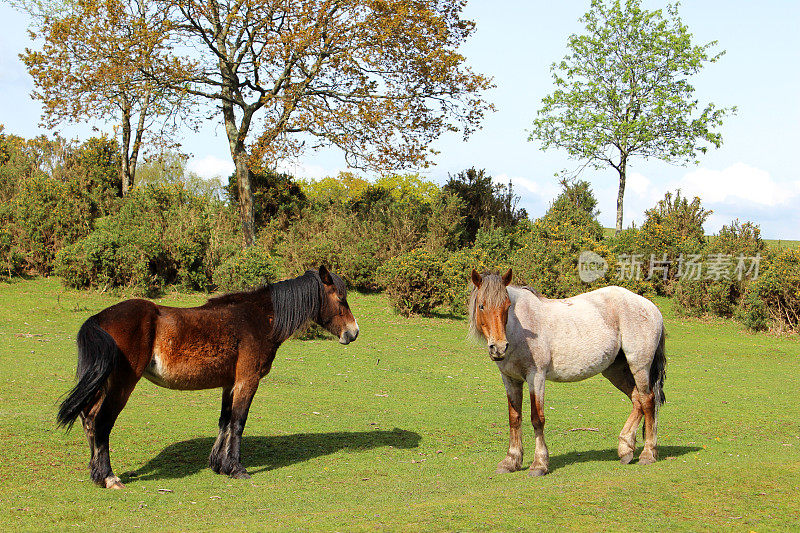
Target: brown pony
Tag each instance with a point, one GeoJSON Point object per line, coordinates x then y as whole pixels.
{"type": "Point", "coordinates": [228, 342]}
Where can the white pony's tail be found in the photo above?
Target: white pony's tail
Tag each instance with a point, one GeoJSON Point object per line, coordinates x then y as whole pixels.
{"type": "Point", "coordinates": [658, 371]}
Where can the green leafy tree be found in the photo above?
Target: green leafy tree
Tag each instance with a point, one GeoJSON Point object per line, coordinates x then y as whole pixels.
{"type": "Point", "coordinates": [485, 204]}
{"type": "Point", "coordinates": [623, 90]}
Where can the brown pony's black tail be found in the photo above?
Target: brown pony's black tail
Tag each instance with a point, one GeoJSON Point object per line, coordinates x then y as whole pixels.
{"type": "Point", "coordinates": [658, 370]}
{"type": "Point", "coordinates": [98, 355]}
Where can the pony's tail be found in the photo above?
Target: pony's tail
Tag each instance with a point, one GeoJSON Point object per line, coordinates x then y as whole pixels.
{"type": "Point", "coordinates": [98, 355]}
{"type": "Point", "coordinates": [658, 370]}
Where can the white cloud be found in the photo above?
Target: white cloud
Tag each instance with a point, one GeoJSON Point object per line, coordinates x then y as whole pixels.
{"type": "Point", "coordinates": [299, 169]}
{"type": "Point", "coordinates": [638, 184]}
{"type": "Point", "coordinates": [738, 191]}
{"type": "Point", "coordinates": [737, 183]}
{"type": "Point", "coordinates": [529, 185]}
{"type": "Point", "coordinates": [523, 186]}
{"type": "Point", "coordinates": [211, 167]}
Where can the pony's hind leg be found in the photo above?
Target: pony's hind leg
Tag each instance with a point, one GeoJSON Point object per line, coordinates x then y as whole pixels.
{"type": "Point", "coordinates": [98, 421]}
{"type": "Point", "coordinates": [647, 400]}
{"type": "Point", "coordinates": [619, 374]}
{"type": "Point", "coordinates": [219, 451]}
{"type": "Point", "coordinates": [513, 459]}
{"type": "Point", "coordinates": [87, 421]}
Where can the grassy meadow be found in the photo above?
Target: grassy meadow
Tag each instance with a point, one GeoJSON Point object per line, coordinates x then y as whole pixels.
{"type": "Point", "coordinates": [400, 430]}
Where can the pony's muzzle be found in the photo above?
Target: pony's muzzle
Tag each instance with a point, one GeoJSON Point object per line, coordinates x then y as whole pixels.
{"type": "Point", "coordinates": [497, 350]}
{"type": "Point", "coordinates": [348, 335]}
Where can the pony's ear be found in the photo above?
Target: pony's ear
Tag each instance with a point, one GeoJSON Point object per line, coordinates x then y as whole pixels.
{"type": "Point", "coordinates": [507, 278]}
{"type": "Point", "coordinates": [325, 275]}
{"type": "Point", "coordinates": [476, 279]}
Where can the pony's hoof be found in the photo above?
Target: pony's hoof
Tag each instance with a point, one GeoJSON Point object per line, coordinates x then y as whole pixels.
{"type": "Point", "coordinates": [113, 482]}
{"type": "Point", "coordinates": [537, 472]}
{"type": "Point", "coordinates": [646, 459]}
{"type": "Point", "coordinates": [507, 466]}
{"type": "Point", "coordinates": [626, 459]}
{"type": "Point", "coordinates": [242, 474]}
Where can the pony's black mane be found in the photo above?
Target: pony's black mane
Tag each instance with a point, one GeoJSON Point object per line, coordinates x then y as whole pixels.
{"type": "Point", "coordinates": [298, 300]}
{"type": "Point", "coordinates": [294, 301]}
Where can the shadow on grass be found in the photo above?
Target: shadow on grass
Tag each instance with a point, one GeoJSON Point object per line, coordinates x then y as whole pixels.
{"type": "Point", "coordinates": [446, 315]}
{"type": "Point", "coordinates": [610, 454]}
{"type": "Point", "coordinates": [267, 453]}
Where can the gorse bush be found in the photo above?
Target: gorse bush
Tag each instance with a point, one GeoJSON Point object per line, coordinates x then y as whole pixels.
{"type": "Point", "coordinates": [11, 260]}
{"type": "Point", "coordinates": [45, 216]}
{"type": "Point", "coordinates": [673, 229]}
{"type": "Point", "coordinates": [425, 281]}
{"type": "Point", "coordinates": [247, 269]}
{"type": "Point", "coordinates": [50, 194]}
{"type": "Point", "coordinates": [351, 247]}
{"type": "Point", "coordinates": [366, 229]}
{"type": "Point", "coordinates": [484, 204]}
{"type": "Point", "coordinates": [549, 248]}
{"type": "Point", "coordinates": [161, 235]}
{"type": "Point", "coordinates": [729, 259]}
{"type": "Point", "coordinates": [773, 299]}
{"type": "Point", "coordinates": [413, 281]}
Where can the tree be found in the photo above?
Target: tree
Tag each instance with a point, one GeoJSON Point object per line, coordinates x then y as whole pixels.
{"type": "Point", "coordinates": [89, 69]}
{"type": "Point", "coordinates": [380, 79]}
{"type": "Point", "coordinates": [274, 194]}
{"type": "Point", "coordinates": [623, 91]}
{"type": "Point", "coordinates": [484, 204]}
{"type": "Point", "coordinates": [576, 205]}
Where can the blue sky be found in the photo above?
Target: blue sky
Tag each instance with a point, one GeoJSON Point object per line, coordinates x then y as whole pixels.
{"type": "Point", "coordinates": [753, 176]}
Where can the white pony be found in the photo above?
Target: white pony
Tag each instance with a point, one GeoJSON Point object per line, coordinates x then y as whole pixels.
{"type": "Point", "coordinates": [532, 338]}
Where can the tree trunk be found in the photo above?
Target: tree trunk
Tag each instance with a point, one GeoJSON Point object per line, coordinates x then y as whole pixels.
{"type": "Point", "coordinates": [236, 136]}
{"type": "Point", "coordinates": [125, 170]}
{"type": "Point", "coordinates": [245, 198]}
{"type": "Point", "coordinates": [621, 169]}
{"type": "Point", "coordinates": [133, 157]}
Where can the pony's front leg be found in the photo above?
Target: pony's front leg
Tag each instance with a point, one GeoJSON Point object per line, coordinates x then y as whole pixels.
{"type": "Point", "coordinates": [219, 450]}
{"type": "Point", "coordinates": [541, 458]}
{"type": "Point", "coordinates": [513, 460]}
{"type": "Point", "coordinates": [243, 392]}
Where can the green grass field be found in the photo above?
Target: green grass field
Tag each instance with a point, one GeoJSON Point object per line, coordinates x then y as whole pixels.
{"type": "Point", "coordinates": [774, 244]}
{"type": "Point", "coordinates": [401, 430]}
{"type": "Point", "coordinates": [781, 244]}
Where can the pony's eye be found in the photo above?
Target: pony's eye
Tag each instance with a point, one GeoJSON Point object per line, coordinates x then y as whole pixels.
{"type": "Point", "coordinates": [480, 307]}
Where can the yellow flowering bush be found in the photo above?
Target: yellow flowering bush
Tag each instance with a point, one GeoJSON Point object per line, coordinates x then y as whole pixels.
{"type": "Point", "coordinates": [773, 299]}
{"type": "Point", "coordinates": [728, 259]}
{"type": "Point", "coordinates": [413, 281]}
{"type": "Point", "coordinates": [247, 269]}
